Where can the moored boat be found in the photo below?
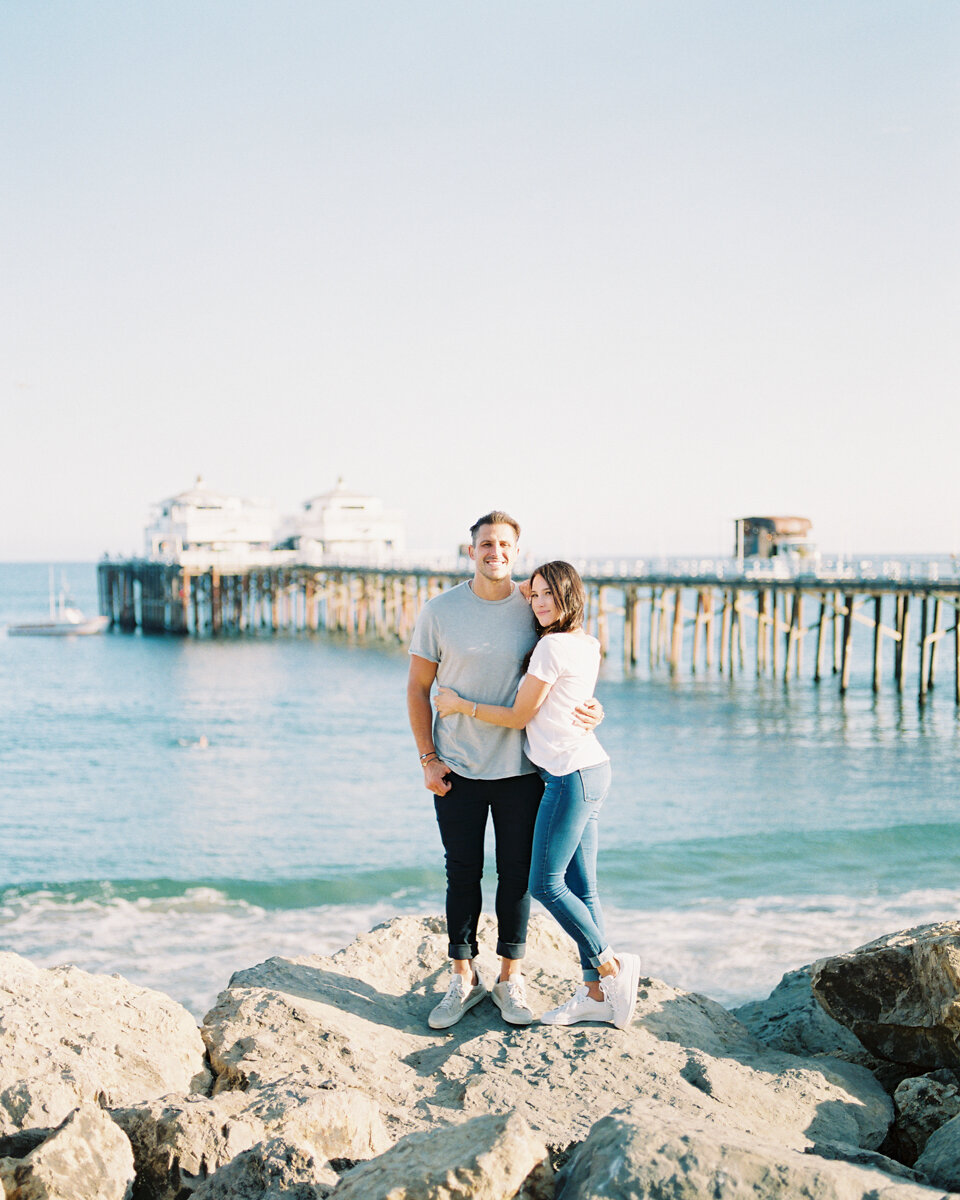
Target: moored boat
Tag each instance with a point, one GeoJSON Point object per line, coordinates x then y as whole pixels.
{"type": "Point", "coordinates": [68, 622]}
{"type": "Point", "coordinates": [65, 620]}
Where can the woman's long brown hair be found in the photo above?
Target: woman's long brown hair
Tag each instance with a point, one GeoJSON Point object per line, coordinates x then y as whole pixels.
{"type": "Point", "coordinates": [569, 596]}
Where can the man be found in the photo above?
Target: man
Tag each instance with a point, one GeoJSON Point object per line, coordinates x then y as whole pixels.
{"type": "Point", "coordinates": [473, 638]}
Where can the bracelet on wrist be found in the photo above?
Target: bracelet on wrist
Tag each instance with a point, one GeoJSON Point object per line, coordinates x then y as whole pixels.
{"type": "Point", "coordinates": [474, 713]}
{"type": "Point", "coordinates": [433, 756]}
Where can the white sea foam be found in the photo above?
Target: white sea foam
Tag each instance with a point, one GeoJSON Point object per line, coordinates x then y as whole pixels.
{"type": "Point", "coordinates": [738, 950]}
{"type": "Point", "coordinates": [190, 945]}
{"type": "Point", "coordinates": [186, 946]}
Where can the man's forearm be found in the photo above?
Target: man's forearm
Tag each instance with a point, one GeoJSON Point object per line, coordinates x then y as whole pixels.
{"type": "Point", "coordinates": [420, 712]}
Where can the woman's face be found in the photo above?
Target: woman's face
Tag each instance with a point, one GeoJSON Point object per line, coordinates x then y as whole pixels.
{"type": "Point", "coordinates": [542, 603]}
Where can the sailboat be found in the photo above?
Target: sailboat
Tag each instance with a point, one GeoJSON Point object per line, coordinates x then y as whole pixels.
{"type": "Point", "coordinates": [66, 620]}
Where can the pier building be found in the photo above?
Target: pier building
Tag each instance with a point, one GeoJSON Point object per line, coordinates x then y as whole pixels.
{"type": "Point", "coordinates": [203, 529]}
{"type": "Point", "coordinates": [347, 526]}
{"type": "Point", "coordinates": [200, 527]}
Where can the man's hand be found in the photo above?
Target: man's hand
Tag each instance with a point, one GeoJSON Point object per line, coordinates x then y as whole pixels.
{"type": "Point", "coordinates": [589, 714]}
{"type": "Point", "coordinates": [435, 774]}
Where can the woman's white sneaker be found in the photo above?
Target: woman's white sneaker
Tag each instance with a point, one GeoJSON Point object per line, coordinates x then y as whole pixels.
{"type": "Point", "coordinates": [456, 1002]}
{"type": "Point", "coordinates": [621, 989]}
{"type": "Point", "coordinates": [580, 1007]}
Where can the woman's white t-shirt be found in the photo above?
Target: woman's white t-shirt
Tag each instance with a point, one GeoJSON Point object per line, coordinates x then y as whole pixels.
{"type": "Point", "coordinates": [570, 663]}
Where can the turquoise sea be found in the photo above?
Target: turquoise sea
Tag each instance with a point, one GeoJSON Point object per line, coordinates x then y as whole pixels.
{"type": "Point", "coordinates": [173, 810]}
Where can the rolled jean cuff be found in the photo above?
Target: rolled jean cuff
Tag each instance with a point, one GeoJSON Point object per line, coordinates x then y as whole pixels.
{"type": "Point", "coordinates": [606, 955]}
{"type": "Point", "coordinates": [511, 949]}
{"type": "Point", "coordinates": [591, 975]}
{"type": "Point", "coordinates": [462, 950]}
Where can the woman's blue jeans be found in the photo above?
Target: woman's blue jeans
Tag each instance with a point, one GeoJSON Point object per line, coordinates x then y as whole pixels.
{"type": "Point", "coordinates": [563, 865]}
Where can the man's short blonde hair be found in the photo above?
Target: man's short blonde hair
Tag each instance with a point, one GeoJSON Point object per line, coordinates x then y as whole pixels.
{"type": "Point", "coordinates": [497, 517]}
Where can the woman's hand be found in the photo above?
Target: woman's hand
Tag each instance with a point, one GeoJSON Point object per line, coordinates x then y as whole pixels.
{"type": "Point", "coordinates": [446, 702]}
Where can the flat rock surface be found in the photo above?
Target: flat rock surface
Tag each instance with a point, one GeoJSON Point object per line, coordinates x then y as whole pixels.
{"type": "Point", "coordinates": [70, 1037]}
{"type": "Point", "coordinates": [359, 1019]}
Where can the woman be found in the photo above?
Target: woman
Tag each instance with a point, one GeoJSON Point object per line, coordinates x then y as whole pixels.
{"type": "Point", "coordinates": [561, 672]}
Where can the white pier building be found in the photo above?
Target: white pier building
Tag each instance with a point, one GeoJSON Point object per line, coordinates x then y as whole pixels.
{"type": "Point", "coordinates": [347, 526]}
{"type": "Point", "coordinates": [202, 528]}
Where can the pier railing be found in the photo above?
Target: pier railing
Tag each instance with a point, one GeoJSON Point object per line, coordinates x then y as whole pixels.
{"type": "Point", "coordinates": [680, 614]}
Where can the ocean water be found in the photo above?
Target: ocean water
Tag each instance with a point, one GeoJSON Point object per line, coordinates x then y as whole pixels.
{"type": "Point", "coordinates": [174, 810]}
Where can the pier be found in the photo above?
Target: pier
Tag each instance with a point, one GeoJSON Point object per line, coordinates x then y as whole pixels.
{"type": "Point", "coordinates": [681, 616]}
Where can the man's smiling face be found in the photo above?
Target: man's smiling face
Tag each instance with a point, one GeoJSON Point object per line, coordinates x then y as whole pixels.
{"type": "Point", "coordinates": [494, 552]}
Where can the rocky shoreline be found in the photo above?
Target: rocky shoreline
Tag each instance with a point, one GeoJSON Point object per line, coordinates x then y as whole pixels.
{"type": "Point", "coordinates": [318, 1076]}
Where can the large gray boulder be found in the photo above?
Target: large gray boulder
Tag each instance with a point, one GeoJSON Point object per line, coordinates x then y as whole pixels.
{"type": "Point", "coordinates": [86, 1158]}
{"type": "Point", "coordinates": [495, 1157]}
{"type": "Point", "coordinates": [71, 1037]}
{"type": "Point", "coordinates": [179, 1142]}
{"type": "Point", "coordinates": [649, 1151]}
{"type": "Point", "coordinates": [922, 1104]}
{"type": "Point", "coordinates": [358, 1019]}
{"type": "Point", "coordinates": [900, 995]}
{"type": "Point", "coordinates": [940, 1160]}
{"type": "Point", "coordinates": [792, 1019]}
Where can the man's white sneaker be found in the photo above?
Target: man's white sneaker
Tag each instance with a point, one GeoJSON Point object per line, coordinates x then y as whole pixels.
{"type": "Point", "coordinates": [456, 1002]}
{"type": "Point", "coordinates": [580, 1007]}
{"type": "Point", "coordinates": [621, 989]}
{"type": "Point", "coordinates": [510, 997]}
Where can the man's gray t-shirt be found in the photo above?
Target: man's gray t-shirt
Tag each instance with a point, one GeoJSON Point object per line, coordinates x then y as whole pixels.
{"type": "Point", "coordinates": [478, 646]}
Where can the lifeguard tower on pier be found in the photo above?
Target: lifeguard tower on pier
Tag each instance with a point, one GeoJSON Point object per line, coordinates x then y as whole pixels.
{"type": "Point", "coordinates": [774, 537]}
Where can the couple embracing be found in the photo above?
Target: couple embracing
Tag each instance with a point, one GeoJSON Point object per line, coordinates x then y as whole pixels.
{"type": "Point", "coordinates": [543, 787]}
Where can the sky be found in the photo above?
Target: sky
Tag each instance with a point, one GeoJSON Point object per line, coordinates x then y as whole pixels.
{"type": "Point", "coordinates": [627, 270]}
